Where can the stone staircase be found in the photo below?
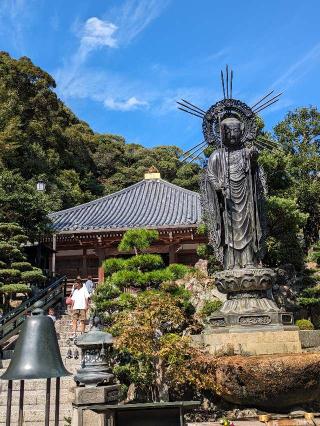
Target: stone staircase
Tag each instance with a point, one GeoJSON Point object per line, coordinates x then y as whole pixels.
{"type": "Point", "coordinates": [34, 397]}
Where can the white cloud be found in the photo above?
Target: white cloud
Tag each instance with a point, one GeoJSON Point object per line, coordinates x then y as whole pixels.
{"type": "Point", "coordinates": [97, 33]}
{"type": "Point", "coordinates": [128, 105]}
{"type": "Point", "coordinates": [297, 70]}
{"type": "Point", "coordinates": [117, 28]}
{"type": "Point", "coordinates": [135, 15]}
{"type": "Point", "coordinates": [15, 17]}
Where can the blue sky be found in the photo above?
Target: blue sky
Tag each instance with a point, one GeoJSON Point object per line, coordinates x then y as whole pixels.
{"type": "Point", "coordinates": [121, 65]}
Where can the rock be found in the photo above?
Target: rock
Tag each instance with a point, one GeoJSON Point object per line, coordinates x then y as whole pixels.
{"type": "Point", "coordinates": [271, 382]}
{"type": "Point", "coordinates": [201, 289]}
{"type": "Point", "coordinates": [202, 265]}
{"type": "Point", "coordinates": [131, 393]}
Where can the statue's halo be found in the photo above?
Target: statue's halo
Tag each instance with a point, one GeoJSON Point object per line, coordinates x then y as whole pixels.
{"type": "Point", "coordinates": [227, 108]}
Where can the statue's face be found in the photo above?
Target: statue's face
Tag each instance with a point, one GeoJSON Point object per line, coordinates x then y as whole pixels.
{"type": "Point", "coordinates": [231, 130]}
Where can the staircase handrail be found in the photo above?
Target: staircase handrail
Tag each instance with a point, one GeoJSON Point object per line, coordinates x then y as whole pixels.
{"type": "Point", "coordinates": [17, 315]}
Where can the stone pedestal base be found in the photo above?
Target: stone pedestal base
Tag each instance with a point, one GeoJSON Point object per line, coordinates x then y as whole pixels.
{"type": "Point", "coordinates": [266, 341]}
{"type": "Point", "coordinates": [247, 319]}
{"type": "Point", "coordinates": [87, 396]}
{"type": "Point", "coordinates": [249, 300]}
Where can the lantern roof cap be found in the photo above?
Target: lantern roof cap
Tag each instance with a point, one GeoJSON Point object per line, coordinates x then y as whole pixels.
{"type": "Point", "coordinates": [95, 337]}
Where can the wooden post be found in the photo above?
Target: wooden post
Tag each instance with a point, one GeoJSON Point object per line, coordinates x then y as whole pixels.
{"type": "Point", "coordinates": [172, 253]}
{"type": "Point", "coordinates": [101, 255]}
{"type": "Point", "coordinates": [100, 275]}
{"type": "Point", "coordinates": [53, 259]}
{"type": "Point", "coordinates": [84, 263]}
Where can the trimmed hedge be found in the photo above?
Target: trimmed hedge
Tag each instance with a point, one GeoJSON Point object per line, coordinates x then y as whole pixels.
{"type": "Point", "coordinates": [113, 265]}
{"type": "Point", "coordinates": [144, 262]}
{"type": "Point", "coordinates": [157, 277]}
{"type": "Point", "coordinates": [35, 276]}
{"type": "Point", "coordinates": [22, 266]}
{"type": "Point", "coordinates": [304, 324]}
{"type": "Point", "coordinates": [14, 288]}
{"type": "Point", "coordinates": [126, 278]}
{"type": "Point", "coordinates": [13, 275]}
{"type": "Point", "coordinates": [178, 270]}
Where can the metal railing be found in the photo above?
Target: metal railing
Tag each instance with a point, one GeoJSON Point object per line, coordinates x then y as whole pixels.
{"type": "Point", "coordinates": [11, 323]}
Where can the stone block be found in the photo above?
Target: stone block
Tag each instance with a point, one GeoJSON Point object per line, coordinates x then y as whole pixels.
{"type": "Point", "coordinates": [309, 338]}
{"type": "Point", "coordinates": [259, 342]}
{"type": "Point", "coordinates": [89, 418]}
{"type": "Point", "coordinates": [96, 395]}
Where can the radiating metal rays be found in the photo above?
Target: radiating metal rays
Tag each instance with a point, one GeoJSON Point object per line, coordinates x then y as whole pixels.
{"type": "Point", "coordinates": [258, 106]}
{"type": "Point", "coordinates": [188, 107]}
{"type": "Point", "coordinates": [262, 99]}
{"type": "Point", "coordinates": [197, 151]}
{"type": "Point", "coordinates": [227, 83]}
{"type": "Point", "coordinates": [194, 106]}
{"type": "Point", "coordinates": [190, 112]}
{"type": "Point", "coordinates": [231, 80]}
{"type": "Point", "coordinates": [227, 88]}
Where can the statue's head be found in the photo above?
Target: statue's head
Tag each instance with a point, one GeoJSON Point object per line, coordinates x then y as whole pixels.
{"type": "Point", "coordinates": [231, 132]}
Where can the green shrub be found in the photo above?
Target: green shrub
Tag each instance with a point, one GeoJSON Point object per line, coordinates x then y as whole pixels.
{"type": "Point", "coordinates": [308, 281]}
{"type": "Point", "coordinates": [178, 270]}
{"type": "Point", "coordinates": [126, 301]}
{"type": "Point", "coordinates": [14, 288]}
{"type": "Point", "coordinates": [122, 279]}
{"type": "Point", "coordinates": [210, 306]}
{"type": "Point", "coordinates": [3, 265]}
{"type": "Point", "coordinates": [145, 262]}
{"type": "Point", "coordinates": [311, 291]}
{"type": "Point", "coordinates": [181, 294]}
{"type": "Point", "coordinates": [202, 251]}
{"type": "Point", "coordinates": [308, 301]}
{"type": "Point", "coordinates": [137, 239]}
{"type": "Point", "coordinates": [113, 265]}
{"type": "Point", "coordinates": [12, 275]}
{"type": "Point", "coordinates": [304, 324]}
{"type": "Point", "coordinates": [155, 278]}
{"type": "Point", "coordinates": [22, 266]}
{"type": "Point", "coordinates": [35, 276]}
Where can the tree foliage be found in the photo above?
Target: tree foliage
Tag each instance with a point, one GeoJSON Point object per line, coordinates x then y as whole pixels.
{"type": "Point", "coordinates": [149, 324]}
{"type": "Point", "coordinates": [16, 275]}
{"type": "Point", "coordinates": [41, 139]}
{"type": "Point", "coordinates": [294, 186]}
{"type": "Point", "coordinates": [137, 240]}
{"type": "Point", "coordinates": [150, 334]}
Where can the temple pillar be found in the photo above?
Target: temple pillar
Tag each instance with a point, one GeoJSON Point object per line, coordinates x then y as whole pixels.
{"type": "Point", "coordinates": [172, 253]}
{"type": "Point", "coordinates": [101, 255]}
{"type": "Point", "coordinates": [84, 263]}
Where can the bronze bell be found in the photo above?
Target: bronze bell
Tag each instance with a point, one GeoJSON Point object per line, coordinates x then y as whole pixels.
{"type": "Point", "coordinates": [37, 354]}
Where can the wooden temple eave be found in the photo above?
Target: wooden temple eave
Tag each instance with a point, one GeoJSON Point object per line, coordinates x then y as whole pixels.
{"type": "Point", "coordinates": [103, 236]}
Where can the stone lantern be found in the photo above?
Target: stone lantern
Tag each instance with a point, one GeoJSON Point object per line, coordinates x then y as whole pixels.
{"type": "Point", "coordinates": [96, 348]}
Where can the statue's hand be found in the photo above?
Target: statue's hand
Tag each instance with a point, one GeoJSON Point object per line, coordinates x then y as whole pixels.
{"type": "Point", "coordinates": [226, 191]}
{"type": "Point", "coordinates": [253, 152]}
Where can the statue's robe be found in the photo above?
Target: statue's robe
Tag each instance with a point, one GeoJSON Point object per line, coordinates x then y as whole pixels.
{"type": "Point", "coordinates": [233, 204]}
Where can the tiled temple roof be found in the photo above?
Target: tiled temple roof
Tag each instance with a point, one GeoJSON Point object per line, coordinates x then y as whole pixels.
{"type": "Point", "coordinates": [153, 203]}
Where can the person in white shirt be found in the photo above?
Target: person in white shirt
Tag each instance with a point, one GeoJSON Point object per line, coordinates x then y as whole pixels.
{"type": "Point", "coordinates": [79, 307]}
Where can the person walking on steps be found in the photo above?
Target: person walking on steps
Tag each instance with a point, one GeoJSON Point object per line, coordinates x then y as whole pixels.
{"type": "Point", "coordinates": [79, 307]}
